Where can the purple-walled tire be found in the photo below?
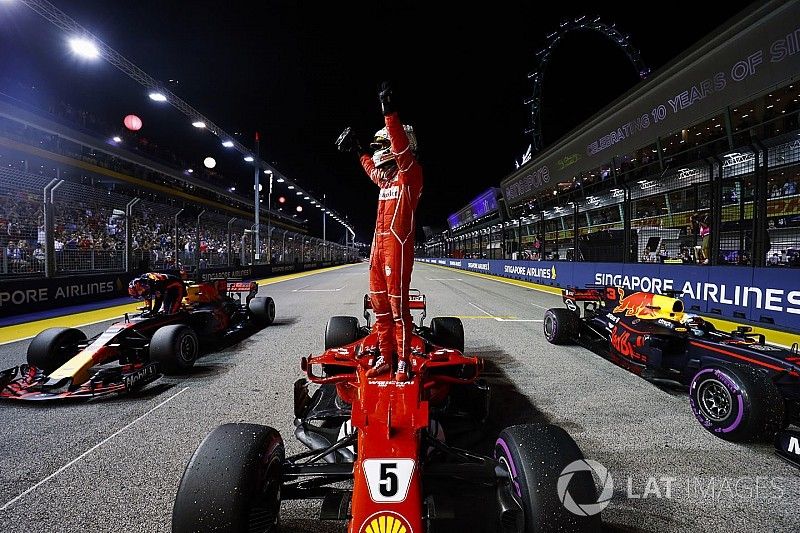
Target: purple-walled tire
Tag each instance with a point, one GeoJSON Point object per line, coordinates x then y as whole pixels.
{"type": "Point", "coordinates": [535, 456]}
{"type": "Point", "coordinates": [561, 326]}
{"type": "Point", "coordinates": [736, 403]}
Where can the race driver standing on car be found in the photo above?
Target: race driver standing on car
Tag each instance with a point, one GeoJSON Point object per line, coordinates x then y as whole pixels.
{"type": "Point", "coordinates": [394, 168]}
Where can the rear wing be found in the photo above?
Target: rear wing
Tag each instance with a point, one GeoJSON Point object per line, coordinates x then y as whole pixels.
{"type": "Point", "coordinates": [599, 293]}
{"type": "Point", "coordinates": [416, 302]}
{"type": "Point", "coordinates": [239, 288]}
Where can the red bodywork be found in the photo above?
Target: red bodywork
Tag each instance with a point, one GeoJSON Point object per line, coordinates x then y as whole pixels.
{"type": "Point", "coordinates": [389, 417]}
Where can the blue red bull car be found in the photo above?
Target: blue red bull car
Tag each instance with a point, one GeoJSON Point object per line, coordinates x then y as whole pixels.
{"type": "Point", "coordinates": [740, 387]}
{"type": "Point", "coordinates": [62, 363]}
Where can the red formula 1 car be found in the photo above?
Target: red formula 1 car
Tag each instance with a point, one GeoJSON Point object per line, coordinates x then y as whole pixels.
{"type": "Point", "coordinates": [384, 445]}
{"type": "Point", "coordinates": [740, 387]}
{"type": "Point", "coordinates": [63, 363]}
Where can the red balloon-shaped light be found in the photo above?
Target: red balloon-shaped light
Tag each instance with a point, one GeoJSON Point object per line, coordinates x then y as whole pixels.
{"type": "Point", "coordinates": [133, 123]}
{"type": "Point", "coordinates": [281, 199]}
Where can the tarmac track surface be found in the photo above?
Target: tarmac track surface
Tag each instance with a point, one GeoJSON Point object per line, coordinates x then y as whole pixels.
{"type": "Point", "coordinates": [116, 464]}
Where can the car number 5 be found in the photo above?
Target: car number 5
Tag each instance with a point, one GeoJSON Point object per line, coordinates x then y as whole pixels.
{"type": "Point", "coordinates": [388, 480]}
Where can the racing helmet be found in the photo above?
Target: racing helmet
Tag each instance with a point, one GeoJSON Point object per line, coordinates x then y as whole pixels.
{"type": "Point", "coordinates": [692, 320]}
{"type": "Point", "coordinates": [382, 147]}
{"type": "Point", "coordinates": [139, 288]}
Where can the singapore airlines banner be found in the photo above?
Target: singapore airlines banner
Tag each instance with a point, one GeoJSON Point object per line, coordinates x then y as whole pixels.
{"type": "Point", "coordinates": [754, 55]}
{"type": "Point", "coordinates": [769, 296]}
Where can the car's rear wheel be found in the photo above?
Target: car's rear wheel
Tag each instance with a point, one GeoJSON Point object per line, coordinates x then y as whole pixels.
{"type": "Point", "coordinates": [232, 482]}
{"type": "Point", "coordinates": [539, 494]}
{"type": "Point", "coordinates": [736, 403]}
{"type": "Point", "coordinates": [448, 332]}
{"type": "Point", "coordinates": [53, 347]}
{"type": "Point", "coordinates": [561, 326]}
{"type": "Point", "coordinates": [341, 331]}
{"type": "Point", "coordinates": [262, 310]}
{"type": "Point", "coordinates": [175, 348]}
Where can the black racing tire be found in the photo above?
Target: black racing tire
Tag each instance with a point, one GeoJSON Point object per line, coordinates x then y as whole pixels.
{"type": "Point", "coordinates": [448, 332]}
{"type": "Point", "coordinates": [175, 348]}
{"type": "Point", "coordinates": [53, 347]}
{"type": "Point", "coordinates": [341, 331]}
{"type": "Point", "coordinates": [536, 456]}
{"type": "Point", "coordinates": [561, 326]}
{"type": "Point", "coordinates": [232, 482]}
{"type": "Point", "coordinates": [737, 403]}
{"type": "Point", "coordinates": [262, 309]}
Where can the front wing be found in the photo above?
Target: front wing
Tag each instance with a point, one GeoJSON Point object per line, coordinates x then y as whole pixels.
{"type": "Point", "coordinates": [26, 382]}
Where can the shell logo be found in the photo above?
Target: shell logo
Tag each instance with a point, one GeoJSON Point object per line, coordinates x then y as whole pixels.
{"type": "Point", "coordinates": [386, 522]}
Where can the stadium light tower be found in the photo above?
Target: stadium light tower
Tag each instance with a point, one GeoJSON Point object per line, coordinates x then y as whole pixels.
{"type": "Point", "coordinates": [269, 216]}
{"type": "Point", "coordinates": [256, 203]}
{"type": "Point", "coordinates": [157, 91]}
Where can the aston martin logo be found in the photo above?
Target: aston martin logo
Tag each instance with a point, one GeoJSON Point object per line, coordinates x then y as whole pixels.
{"type": "Point", "coordinates": [386, 522]}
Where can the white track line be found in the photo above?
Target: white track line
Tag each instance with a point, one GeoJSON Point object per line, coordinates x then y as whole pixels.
{"type": "Point", "coordinates": [87, 452]}
{"type": "Point", "coordinates": [482, 311]}
{"type": "Point", "coordinates": [318, 290]}
{"type": "Point", "coordinates": [500, 319]}
{"type": "Point", "coordinates": [539, 306]}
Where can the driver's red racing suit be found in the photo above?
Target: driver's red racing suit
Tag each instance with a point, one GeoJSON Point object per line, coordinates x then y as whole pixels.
{"type": "Point", "coordinates": [392, 255]}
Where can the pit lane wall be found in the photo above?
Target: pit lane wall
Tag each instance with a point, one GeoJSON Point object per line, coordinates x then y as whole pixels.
{"type": "Point", "coordinates": [23, 296]}
{"type": "Point", "coordinates": [768, 296]}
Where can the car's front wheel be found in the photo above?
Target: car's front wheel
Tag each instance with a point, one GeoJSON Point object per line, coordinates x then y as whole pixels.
{"type": "Point", "coordinates": [53, 347]}
{"type": "Point", "coordinates": [175, 348]}
{"type": "Point", "coordinates": [736, 403]}
{"type": "Point", "coordinates": [232, 482]}
{"type": "Point", "coordinates": [549, 486]}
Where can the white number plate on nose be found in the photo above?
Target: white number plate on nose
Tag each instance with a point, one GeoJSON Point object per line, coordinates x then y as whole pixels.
{"type": "Point", "coordinates": [388, 479]}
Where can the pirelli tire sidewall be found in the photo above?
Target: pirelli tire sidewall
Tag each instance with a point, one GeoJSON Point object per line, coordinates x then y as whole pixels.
{"type": "Point", "coordinates": [561, 326]}
{"type": "Point", "coordinates": [752, 406]}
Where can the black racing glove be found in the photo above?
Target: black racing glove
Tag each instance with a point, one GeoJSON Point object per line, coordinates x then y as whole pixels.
{"type": "Point", "coordinates": [386, 97]}
{"type": "Point", "coordinates": [347, 142]}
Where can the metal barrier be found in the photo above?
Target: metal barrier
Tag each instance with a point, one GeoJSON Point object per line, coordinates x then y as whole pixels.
{"type": "Point", "coordinates": [21, 222]}
{"type": "Point", "coordinates": [89, 228]}
{"type": "Point", "coordinates": [51, 226]}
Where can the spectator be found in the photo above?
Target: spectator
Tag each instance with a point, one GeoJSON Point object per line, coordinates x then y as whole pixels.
{"type": "Point", "coordinates": [704, 231]}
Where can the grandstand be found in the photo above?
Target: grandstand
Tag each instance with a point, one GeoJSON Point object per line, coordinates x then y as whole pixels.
{"type": "Point", "coordinates": [699, 164]}
{"type": "Point", "coordinates": [72, 203]}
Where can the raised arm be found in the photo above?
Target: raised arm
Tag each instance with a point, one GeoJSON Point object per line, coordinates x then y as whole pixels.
{"type": "Point", "coordinates": [410, 172]}
{"type": "Point", "coordinates": [407, 164]}
{"type": "Point", "coordinates": [369, 167]}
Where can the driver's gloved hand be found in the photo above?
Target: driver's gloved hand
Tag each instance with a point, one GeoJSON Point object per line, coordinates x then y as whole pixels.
{"type": "Point", "coordinates": [348, 142]}
{"type": "Point", "coordinates": [386, 97]}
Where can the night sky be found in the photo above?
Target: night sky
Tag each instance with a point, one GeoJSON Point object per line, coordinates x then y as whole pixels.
{"type": "Point", "coordinates": [299, 72]}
